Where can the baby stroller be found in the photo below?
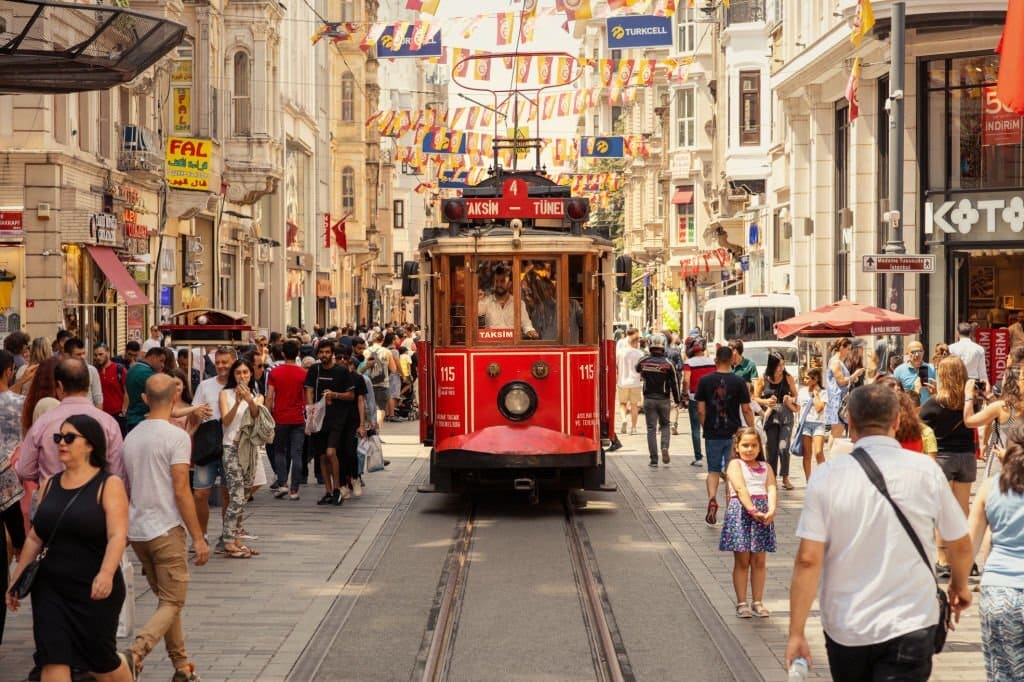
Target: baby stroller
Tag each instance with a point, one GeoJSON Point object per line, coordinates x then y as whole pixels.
{"type": "Point", "coordinates": [407, 409]}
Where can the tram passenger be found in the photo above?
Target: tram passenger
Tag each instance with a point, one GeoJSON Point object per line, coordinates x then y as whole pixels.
{"type": "Point", "coordinates": [496, 310]}
{"type": "Point", "coordinates": [543, 309]}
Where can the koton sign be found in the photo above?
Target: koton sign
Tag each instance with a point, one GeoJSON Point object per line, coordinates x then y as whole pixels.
{"type": "Point", "coordinates": [964, 215]}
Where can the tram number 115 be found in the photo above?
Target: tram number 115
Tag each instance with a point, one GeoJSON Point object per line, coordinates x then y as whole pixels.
{"type": "Point", "coordinates": [447, 374]}
{"type": "Point", "coordinates": [587, 372]}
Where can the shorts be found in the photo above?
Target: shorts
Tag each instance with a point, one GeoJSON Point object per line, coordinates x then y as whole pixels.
{"type": "Point", "coordinates": [336, 439]}
{"type": "Point", "coordinates": [380, 395]}
{"type": "Point", "coordinates": [630, 394]}
{"type": "Point", "coordinates": [394, 385]}
{"type": "Point", "coordinates": [961, 467]}
{"type": "Point", "coordinates": [815, 429]}
{"type": "Point", "coordinates": [205, 475]}
{"type": "Point", "coordinates": [717, 452]}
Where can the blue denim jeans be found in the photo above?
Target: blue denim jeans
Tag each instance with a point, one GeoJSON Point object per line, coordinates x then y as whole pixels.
{"type": "Point", "coordinates": [288, 442]}
{"type": "Point", "coordinates": [695, 429]}
{"type": "Point", "coordinates": [656, 413]}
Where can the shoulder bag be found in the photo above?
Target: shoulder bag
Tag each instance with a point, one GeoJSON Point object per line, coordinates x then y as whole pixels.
{"type": "Point", "coordinates": [23, 585]}
{"type": "Point", "coordinates": [208, 442]}
{"type": "Point", "coordinates": [875, 476]}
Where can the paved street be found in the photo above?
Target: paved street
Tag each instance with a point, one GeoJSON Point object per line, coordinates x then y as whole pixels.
{"type": "Point", "coordinates": [261, 619]}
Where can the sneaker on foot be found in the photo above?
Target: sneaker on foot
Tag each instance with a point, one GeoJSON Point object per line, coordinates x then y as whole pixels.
{"type": "Point", "coordinates": [387, 462]}
{"type": "Point", "coordinates": [293, 495]}
{"type": "Point", "coordinates": [357, 488]}
{"type": "Point", "coordinates": [616, 445]}
{"type": "Point", "coordinates": [625, 427]}
{"type": "Point", "coordinates": [675, 431]}
{"type": "Point", "coordinates": [653, 464]}
{"type": "Point", "coordinates": [664, 457]}
{"type": "Point", "coordinates": [336, 498]}
{"type": "Point", "coordinates": [274, 486]}
{"type": "Point", "coordinates": [344, 492]}
{"type": "Point", "coordinates": [186, 675]}
{"type": "Point", "coordinates": [328, 498]}
{"type": "Point", "coordinates": [696, 463]}
{"type": "Point", "coordinates": [280, 493]}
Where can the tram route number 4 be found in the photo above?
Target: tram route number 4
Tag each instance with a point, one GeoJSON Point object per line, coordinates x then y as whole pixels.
{"type": "Point", "coordinates": [882, 263]}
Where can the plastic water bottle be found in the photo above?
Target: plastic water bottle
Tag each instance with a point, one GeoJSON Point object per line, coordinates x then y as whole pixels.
{"type": "Point", "coordinates": [798, 670]}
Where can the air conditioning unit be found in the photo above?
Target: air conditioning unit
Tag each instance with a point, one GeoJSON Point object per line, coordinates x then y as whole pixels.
{"type": "Point", "coordinates": [138, 139]}
{"type": "Point", "coordinates": [263, 253]}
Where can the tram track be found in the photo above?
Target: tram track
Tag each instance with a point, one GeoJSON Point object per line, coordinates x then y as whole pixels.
{"type": "Point", "coordinates": [608, 655]}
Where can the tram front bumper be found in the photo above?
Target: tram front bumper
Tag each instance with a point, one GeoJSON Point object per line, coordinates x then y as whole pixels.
{"type": "Point", "coordinates": [515, 446]}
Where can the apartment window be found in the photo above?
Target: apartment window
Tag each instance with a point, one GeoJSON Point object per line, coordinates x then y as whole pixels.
{"type": "Point", "coordinates": [348, 98]}
{"type": "Point", "coordinates": [782, 238]}
{"type": "Point", "coordinates": [687, 218]}
{"type": "Point", "coordinates": [86, 121]}
{"type": "Point", "coordinates": [348, 12]}
{"type": "Point", "coordinates": [348, 188]}
{"type": "Point", "coordinates": [214, 113]}
{"type": "Point", "coordinates": [686, 118]}
{"type": "Point", "coordinates": [60, 118]}
{"type": "Point", "coordinates": [659, 202]}
{"type": "Point", "coordinates": [841, 154]}
{"type": "Point", "coordinates": [399, 261]}
{"type": "Point", "coordinates": [241, 98]}
{"type": "Point", "coordinates": [226, 280]}
{"type": "Point", "coordinates": [104, 124]}
{"type": "Point", "coordinates": [750, 108]}
{"type": "Point", "coordinates": [686, 30]}
{"type": "Point", "coordinates": [399, 213]}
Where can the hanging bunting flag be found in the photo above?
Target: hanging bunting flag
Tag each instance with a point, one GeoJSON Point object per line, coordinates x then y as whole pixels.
{"type": "Point", "coordinates": [398, 35]}
{"type": "Point", "coordinates": [578, 102]}
{"type": "Point", "coordinates": [852, 89]}
{"type": "Point", "coordinates": [544, 65]}
{"type": "Point", "coordinates": [486, 116]}
{"type": "Point", "coordinates": [527, 24]}
{"type": "Point", "coordinates": [430, 6]}
{"type": "Point", "coordinates": [647, 68]}
{"type": "Point", "coordinates": [418, 36]}
{"type": "Point", "coordinates": [577, 10]}
{"type": "Point", "coordinates": [460, 66]}
{"type": "Point", "coordinates": [564, 70]}
{"type": "Point", "coordinates": [624, 72]}
{"type": "Point", "coordinates": [474, 113]}
{"type": "Point", "coordinates": [614, 94]}
{"type": "Point", "coordinates": [564, 103]}
{"type": "Point", "coordinates": [548, 107]}
{"type": "Point", "coordinates": [508, 61]}
{"type": "Point", "coordinates": [457, 117]}
{"type": "Point", "coordinates": [504, 24]}
{"type": "Point", "coordinates": [523, 68]}
{"type": "Point", "coordinates": [629, 96]}
{"type": "Point", "coordinates": [482, 69]}
{"type": "Point", "coordinates": [863, 21]}
{"type": "Point", "coordinates": [606, 68]}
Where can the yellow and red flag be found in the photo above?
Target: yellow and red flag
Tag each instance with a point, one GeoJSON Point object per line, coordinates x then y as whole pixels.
{"type": "Point", "coordinates": [482, 69]}
{"type": "Point", "coordinates": [460, 67]}
{"type": "Point", "coordinates": [863, 21]}
{"type": "Point", "coordinates": [504, 23]}
{"type": "Point", "coordinates": [523, 68]}
{"type": "Point", "coordinates": [544, 65]}
{"type": "Point", "coordinates": [624, 72]}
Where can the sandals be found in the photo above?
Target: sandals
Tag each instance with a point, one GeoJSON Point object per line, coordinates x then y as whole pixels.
{"type": "Point", "coordinates": [712, 514]}
{"type": "Point", "coordinates": [240, 552]}
{"type": "Point", "coordinates": [760, 611]}
{"type": "Point", "coordinates": [743, 610]}
{"type": "Point", "coordinates": [128, 656]}
{"type": "Point", "coordinates": [787, 485]}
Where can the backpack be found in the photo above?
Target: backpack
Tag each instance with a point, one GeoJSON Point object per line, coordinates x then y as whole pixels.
{"type": "Point", "coordinates": [122, 373]}
{"type": "Point", "coordinates": [378, 373]}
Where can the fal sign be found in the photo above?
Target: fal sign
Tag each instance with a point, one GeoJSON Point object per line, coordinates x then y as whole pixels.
{"type": "Point", "coordinates": [965, 215]}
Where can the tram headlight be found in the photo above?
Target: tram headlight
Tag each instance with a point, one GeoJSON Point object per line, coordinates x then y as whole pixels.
{"type": "Point", "coordinates": [517, 401]}
{"type": "Point", "coordinates": [454, 210]}
{"type": "Point", "coordinates": [578, 209]}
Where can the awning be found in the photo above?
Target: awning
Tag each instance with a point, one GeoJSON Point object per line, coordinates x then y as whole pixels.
{"type": "Point", "coordinates": [115, 271]}
{"type": "Point", "coordinates": [683, 196]}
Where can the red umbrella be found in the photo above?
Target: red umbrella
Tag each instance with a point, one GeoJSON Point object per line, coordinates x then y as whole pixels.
{"type": "Point", "coordinates": [846, 318]}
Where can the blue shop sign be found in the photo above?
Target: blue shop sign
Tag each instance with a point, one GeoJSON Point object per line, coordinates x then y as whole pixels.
{"type": "Point", "coordinates": [639, 31]}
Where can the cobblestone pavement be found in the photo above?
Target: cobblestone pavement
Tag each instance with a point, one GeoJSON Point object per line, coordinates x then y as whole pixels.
{"type": "Point", "coordinates": [251, 620]}
{"type": "Point", "coordinates": [676, 497]}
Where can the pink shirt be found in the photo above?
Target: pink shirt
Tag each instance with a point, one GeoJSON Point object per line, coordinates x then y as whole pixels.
{"type": "Point", "coordinates": [39, 458]}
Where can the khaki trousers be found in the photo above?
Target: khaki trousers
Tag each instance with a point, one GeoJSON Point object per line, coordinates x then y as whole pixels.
{"type": "Point", "coordinates": [165, 563]}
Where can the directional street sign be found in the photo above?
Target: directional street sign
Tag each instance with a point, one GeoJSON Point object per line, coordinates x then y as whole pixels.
{"type": "Point", "coordinates": [906, 263]}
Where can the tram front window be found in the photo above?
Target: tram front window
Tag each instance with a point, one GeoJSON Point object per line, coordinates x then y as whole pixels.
{"type": "Point", "coordinates": [540, 295]}
{"type": "Point", "coordinates": [496, 307]}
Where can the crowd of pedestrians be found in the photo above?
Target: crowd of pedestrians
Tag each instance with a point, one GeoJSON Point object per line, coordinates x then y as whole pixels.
{"type": "Point", "coordinates": [128, 449]}
{"type": "Point", "coordinates": [893, 444]}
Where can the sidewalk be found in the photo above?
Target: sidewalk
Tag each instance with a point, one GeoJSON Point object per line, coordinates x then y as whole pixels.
{"type": "Point", "coordinates": [251, 619]}
{"type": "Point", "coordinates": [676, 497]}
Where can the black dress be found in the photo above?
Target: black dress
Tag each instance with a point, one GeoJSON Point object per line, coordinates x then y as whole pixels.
{"type": "Point", "coordinates": [778, 427]}
{"type": "Point", "coordinates": [70, 628]}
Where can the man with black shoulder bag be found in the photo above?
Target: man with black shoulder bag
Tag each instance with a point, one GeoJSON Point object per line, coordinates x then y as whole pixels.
{"type": "Point", "coordinates": [878, 507]}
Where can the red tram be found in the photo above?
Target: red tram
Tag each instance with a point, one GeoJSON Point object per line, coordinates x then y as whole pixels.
{"type": "Point", "coordinates": [517, 382]}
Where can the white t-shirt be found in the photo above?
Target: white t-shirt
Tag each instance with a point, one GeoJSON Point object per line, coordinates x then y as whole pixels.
{"type": "Point", "coordinates": [804, 397]}
{"type": "Point", "coordinates": [209, 393]}
{"type": "Point", "coordinates": [628, 377]}
{"type": "Point", "coordinates": [151, 343]}
{"type": "Point", "coordinates": [874, 585]}
{"type": "Point", "coordinates": [973, 356]}
{"type": "Point", "coordinates": [150, 450]}
{"type": "Point", "coordinates": [232, 430]}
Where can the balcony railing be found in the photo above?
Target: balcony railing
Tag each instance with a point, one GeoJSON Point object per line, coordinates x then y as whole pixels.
{"type": "Point", "coordinates": [745, 12]}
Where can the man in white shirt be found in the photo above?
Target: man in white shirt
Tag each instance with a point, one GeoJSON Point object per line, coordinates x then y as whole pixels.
{"type": "Point", "coordinates": [630, 383]}
{"type": "Point", "coordinates": [970, 352]}
{"type": "Point", "coordinates": [155, 339]}
{"type": "Point", "coordinates": [206, 475]}
{"type": "Point", "coordinates": [156, 456]}
{"type": "Point", "coordinates": [497, 308]}
{"type": "Point", "coordinates": [877, 599]}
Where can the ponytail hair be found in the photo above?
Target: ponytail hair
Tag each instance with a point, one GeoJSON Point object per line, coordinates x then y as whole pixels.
{"type": "Point", "coordinates": [1012, 476]}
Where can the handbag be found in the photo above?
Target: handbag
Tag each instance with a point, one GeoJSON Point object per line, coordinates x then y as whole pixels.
{"type": "Point", "coordinates": [875, 476]}
{"type": "Point", "coordinates": [797, 447]}
{"type": "Point", "coordinates": [374, 452]}
{"type": "Point", "coordinates": [23, 585]}
{"type": "Point", "coordinates": [315, 416]}
{"type": "Point", "coordinates": [208, 442]}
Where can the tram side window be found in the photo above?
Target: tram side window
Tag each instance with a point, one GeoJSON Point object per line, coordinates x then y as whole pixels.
{"type": "Point", "coordinates": [539, 288]}
{"type": "Point", "coordinates": [458, 299]}
{"type": "Point", "coordinates": [577, 285]}
{"type": "Point", "coordinates": [497, 303]}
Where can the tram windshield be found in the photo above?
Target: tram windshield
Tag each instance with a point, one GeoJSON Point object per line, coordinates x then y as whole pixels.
{"type": "Point", "coordinates": [517, 300]}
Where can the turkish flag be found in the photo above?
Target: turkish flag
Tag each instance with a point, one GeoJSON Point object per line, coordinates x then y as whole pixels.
{"type": "Point", "coordinates": [1011, 58]}
{"type": "Point", "coordinates": [339, 234]}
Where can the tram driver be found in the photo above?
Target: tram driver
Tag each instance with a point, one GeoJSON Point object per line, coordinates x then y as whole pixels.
{"type": "Point", "coordinates": [496, 309]}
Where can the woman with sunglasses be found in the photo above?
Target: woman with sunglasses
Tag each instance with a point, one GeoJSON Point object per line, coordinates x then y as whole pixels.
{"type": "Point", "coordinates": [79, 590]}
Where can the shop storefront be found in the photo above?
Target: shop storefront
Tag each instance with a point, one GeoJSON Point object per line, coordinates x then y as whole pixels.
{"type": "Point", "coordinates": [12, 270]}
{"type": "Point", "coordinates": [972, 206]}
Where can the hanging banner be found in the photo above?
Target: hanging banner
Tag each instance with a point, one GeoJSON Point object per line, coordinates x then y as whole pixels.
{"type": "Point", "coordinates": [187, 163]}
{"type": "Point", "coordinates": [441, 142]}
{"type": "Point", "coordinates": [639, 31]}
{"type": "Point", "coordinates": [183, 110]}
{"type": "Point", "coordinates": [386, 46]}
{"type": "Point", "coordinates": [602, 147]}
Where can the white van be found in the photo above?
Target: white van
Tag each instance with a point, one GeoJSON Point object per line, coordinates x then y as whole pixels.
{"type": "Point", "coordinates": [751, 318]}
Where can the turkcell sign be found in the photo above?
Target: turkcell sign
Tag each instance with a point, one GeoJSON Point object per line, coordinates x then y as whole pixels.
{"type": "Point", "coordinates": [443, 144]}
{"type": "Point", "coordinates": [602, 147]}
{"type": "Point", "coordinates": [639, 31]}
{"type": "Point", "coordinates": [431, 48]}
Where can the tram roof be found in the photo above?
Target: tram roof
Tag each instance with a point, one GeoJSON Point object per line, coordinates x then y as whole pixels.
{"type": "Point", "coordinates": [500, 240]}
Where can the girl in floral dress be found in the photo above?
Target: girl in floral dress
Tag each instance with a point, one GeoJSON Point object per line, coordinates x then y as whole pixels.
{"type": "Point", "coordinates": [748, 530]}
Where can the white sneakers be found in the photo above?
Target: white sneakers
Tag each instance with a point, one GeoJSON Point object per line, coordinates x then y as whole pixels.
{"type": "Point", "coordinates": [357, 487]}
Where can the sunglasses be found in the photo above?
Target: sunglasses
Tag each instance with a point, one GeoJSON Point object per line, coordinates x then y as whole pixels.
{"type": "Point", "coordinates": [917, 352]}
{"type": "Point", "coordinates": [68, 438]}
